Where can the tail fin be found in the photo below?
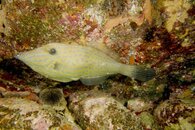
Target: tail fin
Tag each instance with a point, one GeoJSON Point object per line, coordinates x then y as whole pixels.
{"type": "Point", "coordinates": [137, 72]}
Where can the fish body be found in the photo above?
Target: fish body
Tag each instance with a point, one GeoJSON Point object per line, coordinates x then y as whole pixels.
{"type": "Point", "coordinates": [66, 62]}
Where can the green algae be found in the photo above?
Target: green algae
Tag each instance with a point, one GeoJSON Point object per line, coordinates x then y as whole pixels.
{"type": "Point", "coordinates": [87, 3]}
{"type": "Point", "coordinates": [33, 23]}
{"type": "Point", "coordinates": [29, 28]}
{"type": "Point", "coordinates": [176, 114]}
{"type": "Point", "coordinates": [18, 113]}
{"type": "Point", "coordinates": [148, 121]}
{"type": "Point", "coordinates": [182, 125]}
{"type": "Point", "coordinates": [11, 119]}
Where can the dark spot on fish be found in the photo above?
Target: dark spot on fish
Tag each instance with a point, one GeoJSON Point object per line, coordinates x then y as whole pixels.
{"type": "Point", "coordinates": [52, 51]}
{"type": "Point", "coordinates": [56, 66]}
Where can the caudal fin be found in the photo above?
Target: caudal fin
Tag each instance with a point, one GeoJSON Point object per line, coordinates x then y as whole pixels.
{"type": "Point", "coordinates": [138, 72]}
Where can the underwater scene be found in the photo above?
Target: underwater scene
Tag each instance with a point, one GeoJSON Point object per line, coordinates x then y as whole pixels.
{"type": "Point", "coordinates": [97, 64]}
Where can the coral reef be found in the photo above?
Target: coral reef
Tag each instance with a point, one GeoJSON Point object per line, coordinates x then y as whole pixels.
{"type": "Point", "coordinates": [18, 113]}
{"type": "Point", "coordinates": [176, 114]}
{"type": "Point", "coordinates": [153, 33]}
{"type": "Point", "coordinates": [29, 24]}
{"type": "Point", "coordinates": [96, 110]}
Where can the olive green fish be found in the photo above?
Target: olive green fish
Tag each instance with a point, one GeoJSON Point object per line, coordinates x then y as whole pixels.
{"type": "Point", "coordinates": [66, 62]}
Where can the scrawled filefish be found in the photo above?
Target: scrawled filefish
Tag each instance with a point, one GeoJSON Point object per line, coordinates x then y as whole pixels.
{"type": "Point", "coordinates": [66, 62]}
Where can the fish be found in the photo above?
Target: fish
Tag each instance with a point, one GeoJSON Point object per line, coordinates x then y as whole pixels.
{"type": "Point", "coordinates": [67, 62]}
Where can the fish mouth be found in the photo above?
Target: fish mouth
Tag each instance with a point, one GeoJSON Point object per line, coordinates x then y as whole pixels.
{"type": "Point", "coordinates": [31, 60]}
{"type": "Point", "coordinates": [17, 56]}
{"type": "Point", "coordinates": [20, 56]}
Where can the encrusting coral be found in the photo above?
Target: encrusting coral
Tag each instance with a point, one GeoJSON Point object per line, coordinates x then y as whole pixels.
{"type": "Point", "coordinates": [157, 34]}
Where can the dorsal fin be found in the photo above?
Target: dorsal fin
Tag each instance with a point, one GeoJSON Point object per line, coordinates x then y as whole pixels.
{"type": "Point", "coordinates": [100, 46]}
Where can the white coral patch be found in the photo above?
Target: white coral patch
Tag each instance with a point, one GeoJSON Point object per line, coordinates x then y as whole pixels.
{"type": "Point", "coordinates": [96, 107]}
{"type": "Point", "coordinates": [21, 104]}
{"type": "Point", "coordinates": [40, 123]}
{"type": "Point", "coordinates": [95, 14]}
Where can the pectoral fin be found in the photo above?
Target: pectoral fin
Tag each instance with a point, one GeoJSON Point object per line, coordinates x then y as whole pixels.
{"type": "Point", "coordinates": [93, 81]}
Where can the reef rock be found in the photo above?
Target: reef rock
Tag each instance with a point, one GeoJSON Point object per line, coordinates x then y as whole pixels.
{"type": "Point", "coordinates": [176, 114]}
{"type": "Point", "coordinates": [18, 113]}
{"type": "Point", "coordinates": [95, 110]}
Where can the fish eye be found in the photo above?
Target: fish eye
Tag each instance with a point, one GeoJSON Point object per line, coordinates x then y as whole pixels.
{"type": "Point", "coordinates": [52, 51]}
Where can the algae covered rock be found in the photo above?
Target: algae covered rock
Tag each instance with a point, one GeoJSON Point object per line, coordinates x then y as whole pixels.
{"type": "Point", "coordinates": [18, 113]}
{"type": "Point", "coordinates": [175, 11]}
{"type": "Point", "coordinates": [155, 33]}
{"type": "Point", "coordinates": [178, 114]}
{"type": "Point", "coordinates": [97, 111]}
{"type": "Point", "coordinates": [138, 105]}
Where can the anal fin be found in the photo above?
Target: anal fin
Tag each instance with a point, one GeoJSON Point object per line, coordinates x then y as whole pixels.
{"type": "Point", "coordinates": [93, 81]}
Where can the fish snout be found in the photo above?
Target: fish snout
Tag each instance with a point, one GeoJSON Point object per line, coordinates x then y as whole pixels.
{"type": "Point", "coordinates": [17, 56]}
